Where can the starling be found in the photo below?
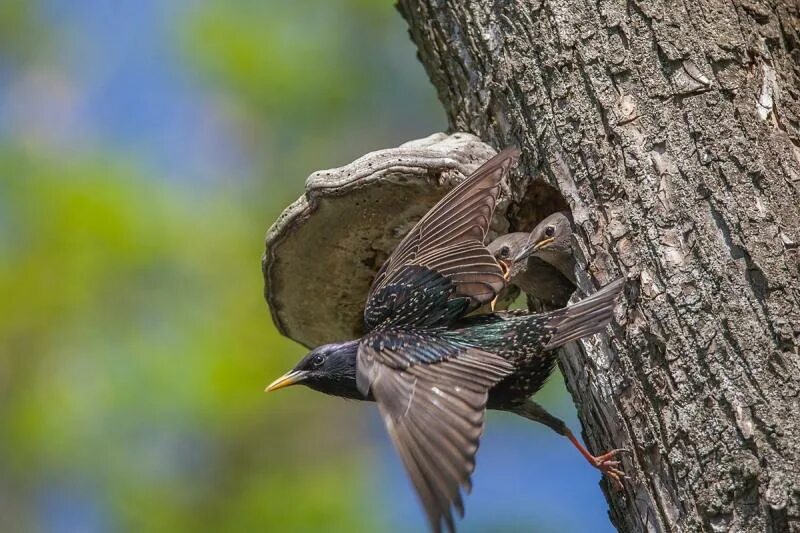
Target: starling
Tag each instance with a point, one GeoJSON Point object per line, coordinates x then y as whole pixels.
{"type": "Point", "coordinates": [433, 370]}
{"type": "Point", "coordinates": [540, 263]}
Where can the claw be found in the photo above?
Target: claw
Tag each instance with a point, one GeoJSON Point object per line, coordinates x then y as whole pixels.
{"type": "Point", "coordinates": [608, 466]}
{"type": "Point", "coordinates": [606, 462]}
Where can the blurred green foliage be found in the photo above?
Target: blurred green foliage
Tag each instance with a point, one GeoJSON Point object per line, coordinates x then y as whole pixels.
{"type": "Point", "coordinates": [293, 72]}
{"type": "Point", "coordinates": [135, 348]}
{"type": "Point", "coordinates": [134, 340]}
{"type": "Point", "coordinates": [20, 34]}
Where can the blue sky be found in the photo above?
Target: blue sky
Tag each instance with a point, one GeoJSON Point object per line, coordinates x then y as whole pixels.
{"type": "Point", "coordinates": [116, 82]}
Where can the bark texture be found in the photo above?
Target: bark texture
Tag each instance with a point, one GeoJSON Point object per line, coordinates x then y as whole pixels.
{"type": "Point", "coordinates": [672, 129]}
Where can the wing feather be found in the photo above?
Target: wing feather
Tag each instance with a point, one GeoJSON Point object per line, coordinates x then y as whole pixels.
{"type": "Point", "coordinates": [431, 392]}
{"type": "Point", "coordinates": [431, 389]}
{"type": "Point", "coordinates": [449, 240]}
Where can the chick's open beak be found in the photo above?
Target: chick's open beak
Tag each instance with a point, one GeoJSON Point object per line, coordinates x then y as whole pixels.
{"type": "Point", "coordinates": [506, 268]}
{"type": "Point", "coordinates": [290, 378]}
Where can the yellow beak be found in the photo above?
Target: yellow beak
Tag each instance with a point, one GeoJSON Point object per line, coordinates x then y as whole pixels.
{"type": "Point", "coordinates": [528, 249]}
{"type": "Point", "coordinates": [541, 244]}
{"type": "Point", "coordinates": [290, 378]}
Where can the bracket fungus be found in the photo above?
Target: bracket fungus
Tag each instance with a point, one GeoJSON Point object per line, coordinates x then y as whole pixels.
{"type": "Point", "coordinates": [325, 249]}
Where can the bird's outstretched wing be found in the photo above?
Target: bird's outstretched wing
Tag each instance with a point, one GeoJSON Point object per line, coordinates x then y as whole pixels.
{"type": "Point", "coordinates": [449, 240]}
{"type": "Point", "coordinates": [431, 389]}
{"type": "Point", "coordinates": [431, 392]}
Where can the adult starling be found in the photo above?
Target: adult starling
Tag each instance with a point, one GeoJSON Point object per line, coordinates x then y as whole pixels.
{"type": "Point", "coordinates": [541, 262]}
{"type": "Point", "coordinates": [432, 370]}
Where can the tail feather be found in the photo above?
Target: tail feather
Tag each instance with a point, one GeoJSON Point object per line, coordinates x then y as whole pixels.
{"type": "Point", "coordinates": [584, 318]}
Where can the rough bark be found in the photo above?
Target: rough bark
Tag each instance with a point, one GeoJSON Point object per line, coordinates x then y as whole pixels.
{"type": "Point", "coordinates": [673, 131]}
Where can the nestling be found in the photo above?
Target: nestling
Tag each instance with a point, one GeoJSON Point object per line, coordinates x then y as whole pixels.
{"type": "Point", "coordinates": [541, 262]}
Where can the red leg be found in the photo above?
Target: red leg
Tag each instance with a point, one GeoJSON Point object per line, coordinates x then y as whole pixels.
{"type": "Point", "coordinates": [604, 462]}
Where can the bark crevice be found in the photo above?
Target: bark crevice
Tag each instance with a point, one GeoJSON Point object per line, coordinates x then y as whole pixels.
{"type": "Point", "coordinates": [672, 131]}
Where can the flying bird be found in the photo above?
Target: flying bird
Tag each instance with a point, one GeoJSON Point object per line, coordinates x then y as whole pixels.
{"type": "Point", "coordinates": [541, 262]}
{"type": "Point", "coordinates": [432, 370]}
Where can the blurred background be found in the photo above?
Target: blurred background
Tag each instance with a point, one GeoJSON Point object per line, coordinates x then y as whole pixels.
{"type": "Point", "coordinates": [145, 148]}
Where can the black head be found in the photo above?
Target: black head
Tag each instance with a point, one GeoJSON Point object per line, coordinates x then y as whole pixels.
{"type": "Point", "coordinates": [330, 368]}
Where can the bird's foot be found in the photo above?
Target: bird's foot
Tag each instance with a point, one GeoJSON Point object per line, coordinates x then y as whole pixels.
{"type": "Point", "coordinates": [609, 465]}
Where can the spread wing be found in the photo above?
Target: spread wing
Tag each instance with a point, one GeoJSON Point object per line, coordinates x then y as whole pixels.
{"type": "Point", "coordinates": [431, 392]}
{"type": "Point", "coordinates": [431, 389]}
{"type": "Point", "coordinates": [449, 240]}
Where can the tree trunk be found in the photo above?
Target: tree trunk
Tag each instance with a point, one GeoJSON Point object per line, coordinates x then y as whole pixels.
{"type": "Point", "coordinates": [673, 132]}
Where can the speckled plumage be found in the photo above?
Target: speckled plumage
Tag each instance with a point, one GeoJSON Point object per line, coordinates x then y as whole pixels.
{"type": "Point", "coordinates": [528, 341]}
{"type": "Point", "coordinates": [431, 369]}
{"type": "Point", "coordinates": [520, 340]}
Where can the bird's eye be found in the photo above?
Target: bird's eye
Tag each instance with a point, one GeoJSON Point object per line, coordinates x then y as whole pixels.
{"type": "Point", "coordinates": [549, 231]}
{"type": "Point", "coordinates": [317, 360]}
{"type": "Point", "coordinates": [504, 252]}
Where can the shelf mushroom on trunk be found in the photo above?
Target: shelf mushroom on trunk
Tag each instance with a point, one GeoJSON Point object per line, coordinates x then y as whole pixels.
{"type": "Point", "coordinates": [328, 245]}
